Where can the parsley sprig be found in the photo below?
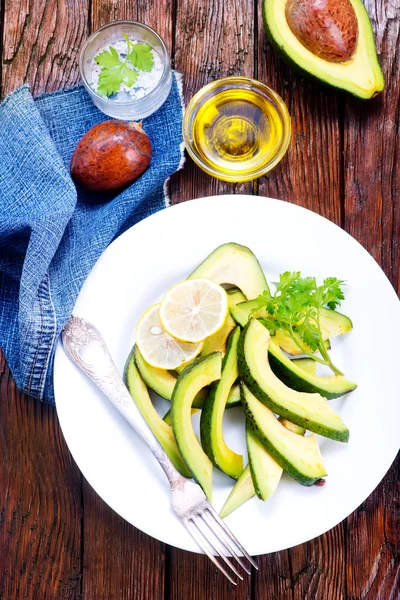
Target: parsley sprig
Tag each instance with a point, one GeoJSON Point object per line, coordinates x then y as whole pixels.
{"type": "Point", "coordinates": [115, 71]}
{"type": "Point", "coordinates": [295, 310]}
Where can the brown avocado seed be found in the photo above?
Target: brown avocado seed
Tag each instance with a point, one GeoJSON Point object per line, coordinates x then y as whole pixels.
{"type": "Point", "coordinates": [110, 155]}
{"type": "Point", "coordinates": [327, 28]}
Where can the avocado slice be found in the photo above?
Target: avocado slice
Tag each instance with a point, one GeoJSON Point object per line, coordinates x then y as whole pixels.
{"type": "Point", "coordinates": [211, 435]}
{"type": "Point", "coordinates": [235, 296]}
{"type": "Point", "coordinates": [200, 373]}
{"type": "Point", "coordinates": [265, 472]}
{"type": "Point", "coordinates": [311, 411]}
{"type": "Point", "coordinates": [218, 341]}
{"type": "Point", "coordinates": [242, 491]}
{"type": "Point", "coordinates": [161, 430]}
{"type": "Point", "coordinates": [236, 265]}
{"type": "Point", "coordinates": [299, 456]}
{"type": "Point", "coordinates": [296, 378]}
{"type": "Point", "coordinates": [332, 323]}
{"type": "Point", "coordinates": [161, 381]}
{"type": "Point", "coordinates": [290, 426]}
{"type": "Point", "coordinates": [167, 418]}
{"type": "Point", "coordinates": [360, 74]}
{"type": "Point", "coordinates": [309, 365]}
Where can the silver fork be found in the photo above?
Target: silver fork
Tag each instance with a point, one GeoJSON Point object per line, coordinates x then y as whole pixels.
{"type": "Point", "coordinates": [84, 344]}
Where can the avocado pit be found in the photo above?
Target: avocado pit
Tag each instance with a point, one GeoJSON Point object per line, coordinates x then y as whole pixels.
{"type": "Point", "coordinates": [327, 28]}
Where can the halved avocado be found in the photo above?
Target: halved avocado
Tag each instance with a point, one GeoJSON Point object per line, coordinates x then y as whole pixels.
{"type": "Point", "coordinates": [161, 430]}
{"type": "Point", "coordinates": [360, 74]}
{"type": "Point", "coordinates": [299, 456]}
{"type": "Point", "coordinates": [200, 373]}
{"type": "Point", "coordinates": [296, 378]}
{"type": "Point", "coordinates": [311, 411]}
{"type": "Point", "coordinates": [235, 265]}
{"type": "Point", "coordinates": [212, 438]}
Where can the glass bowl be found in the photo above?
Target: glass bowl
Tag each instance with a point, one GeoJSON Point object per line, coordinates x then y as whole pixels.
{"type": "Point", "coordinates": [133, 109]}
{"type": "Point", "coordinates": [236, 129]}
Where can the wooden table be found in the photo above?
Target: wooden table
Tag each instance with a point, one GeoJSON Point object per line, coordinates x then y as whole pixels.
{"type": "Point", "coordinates": [58, 540]}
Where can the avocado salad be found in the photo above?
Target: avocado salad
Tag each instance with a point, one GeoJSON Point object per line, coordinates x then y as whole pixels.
{"type": "Point", "coordinates": [261, 353]}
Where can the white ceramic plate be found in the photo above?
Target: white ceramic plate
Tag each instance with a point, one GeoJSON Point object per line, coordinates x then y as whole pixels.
{"type": "Point", "coordinates": [138, 268]}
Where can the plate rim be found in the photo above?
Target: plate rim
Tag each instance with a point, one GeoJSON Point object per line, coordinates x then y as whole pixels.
{"type": "Point", "coordinates": [157, 215]}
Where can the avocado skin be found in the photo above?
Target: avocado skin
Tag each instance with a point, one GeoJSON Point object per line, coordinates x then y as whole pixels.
{"type": "Point", "coordinates": [281, 460]}
{"type": "Point", "coordinates": [299, 384]}
{"type": "Point", "coordinates": [301, 70]}
{"type": "Point", "coordinates": [244, 371]}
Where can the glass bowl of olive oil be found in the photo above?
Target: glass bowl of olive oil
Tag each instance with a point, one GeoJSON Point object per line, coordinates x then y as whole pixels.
{"type": "Point", "coordinates": [236, 128]}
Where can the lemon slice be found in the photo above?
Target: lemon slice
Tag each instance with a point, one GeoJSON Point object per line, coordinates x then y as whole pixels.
{"type": "Point", "coordinates": [157, 347]}
{"type": "Point", "coordinates": [193, 310]}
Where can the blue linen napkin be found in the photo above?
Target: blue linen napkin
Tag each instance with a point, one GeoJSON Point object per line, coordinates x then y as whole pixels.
{"type": "Point", "coordinates": [50, 234]}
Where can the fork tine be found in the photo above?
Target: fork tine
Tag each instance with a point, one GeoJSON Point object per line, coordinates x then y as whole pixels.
{"type": "Point", "coordinates": [230, 535]}
{"type": "Point", "coordinates": [194, 532]}
{"type": "Point", "coordinates": [228, 544]}
{"type": "Point", "coordinates": [213, 546]}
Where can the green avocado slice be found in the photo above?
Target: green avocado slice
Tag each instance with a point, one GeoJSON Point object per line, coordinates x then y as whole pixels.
{"type": "Point", "coordinates": [299, 456]}
{"type": "Point", "coordinates": [200, 373]}
{"type": "Point", "coordinates": [331, 325]}
{"type": "Point", "coordinates": [265, 471]}
{"type": "Point", "coordinates": [242, 491]}
{"type": "Point", "coordinates": [161, 430]}
{"type": "Point", "coordinates": [311, 411]}
{"type": "Point", "coordinates": [236, 265]}
{"type": "Point", "coordinates": [296, 378]}
{"type": "Point", "coordinates": [361, 75]}
{"type": "Point", "coordinates": [212, 438]}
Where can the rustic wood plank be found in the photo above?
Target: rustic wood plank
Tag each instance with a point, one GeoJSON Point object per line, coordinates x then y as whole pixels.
{"type": "Point", "coordinates": [154, 14]}
{"type": "Point", "coordinates": [372, 215]}
{"type": "Point", "coordinates": [40, 501]}
{"type": "Point", "coordinates": [273, 580]}
{"type": "Point", "coordinates": [42, 40]}
{"type": "Point", "coordinates": [120, 562]}
{"type": "Point", "coordinates": [373, 545]}
{"type": "Point", "coordinates": [311, 172]}
{"type": "Point", "coordinates": [213, 39]}
{"type": "Point", "coordinates": [372, 152]}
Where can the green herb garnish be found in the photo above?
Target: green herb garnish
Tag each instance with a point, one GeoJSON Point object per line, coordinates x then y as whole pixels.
{"type": "Point", "coordinates": [115, 71]}
{"type": "Point", "coordinates": [295, 309]}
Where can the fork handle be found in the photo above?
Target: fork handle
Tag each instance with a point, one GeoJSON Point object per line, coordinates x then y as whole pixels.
{"type": "Point", "coordinates": [85, 346]}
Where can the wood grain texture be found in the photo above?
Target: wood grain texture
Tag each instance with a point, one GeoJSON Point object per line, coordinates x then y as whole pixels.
{"type": "Point", "coordinates": [372, 152]}
{"type": "Point", "coordinates": [40, 501]}
{"type": "Point", "coordinates": [372, 215]}
{"type": "Point", "coordinates": [213, 39]}
{"type": "Point", "coordinates": [58, 540]}
{"type": "Point", "coordinates": [119, 562]}
{"type": "Point", "coordinates": [311, 172]}
{"type": "Point", "coordinates": [41, 43]}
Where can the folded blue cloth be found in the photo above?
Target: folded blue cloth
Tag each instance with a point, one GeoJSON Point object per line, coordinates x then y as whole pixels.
{"type": "Point", "coordinates": [50, 235]}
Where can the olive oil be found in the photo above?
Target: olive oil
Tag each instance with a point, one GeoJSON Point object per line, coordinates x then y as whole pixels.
{"type": "Point", "coordinates": [236, 132]}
